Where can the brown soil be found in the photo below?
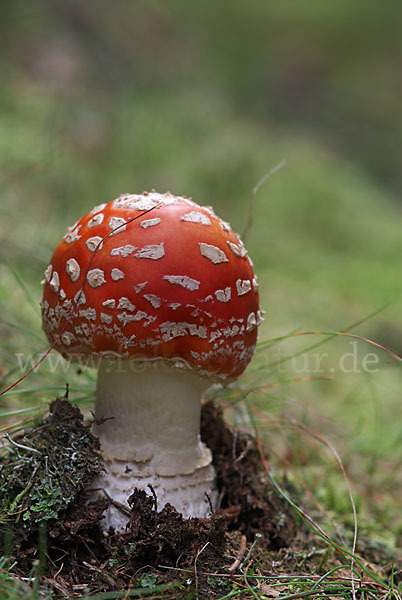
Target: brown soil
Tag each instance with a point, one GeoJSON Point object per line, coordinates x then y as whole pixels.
{"type": "Point", "coordinates": [53, 532]}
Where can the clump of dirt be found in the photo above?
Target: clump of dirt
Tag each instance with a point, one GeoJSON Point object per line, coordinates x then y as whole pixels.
{"type": "Point", "coordinates": [47, 469]}
{"type": "Point", "coordinates": [246, 497]}
{"type": "Point", "coordinates": [48, 523]}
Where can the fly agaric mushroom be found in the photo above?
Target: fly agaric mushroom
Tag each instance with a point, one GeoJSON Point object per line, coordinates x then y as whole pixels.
{"type": "Point", "coordinates": [167, 304]}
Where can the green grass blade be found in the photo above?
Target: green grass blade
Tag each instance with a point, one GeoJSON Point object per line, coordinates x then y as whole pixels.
{"type": "Point", "coordinates": [22, 285]}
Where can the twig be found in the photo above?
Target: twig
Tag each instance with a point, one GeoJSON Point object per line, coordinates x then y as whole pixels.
{"type": "Point", "coordinates": [211, 508]}
{"type": "Point", "coordinates": [155, 503]}
{"type": "Point", "coordinates": [153, 496]}
{"type": "Point", "coordinates": [123, 509]}
{"type": "Point", "coordinates": [240, 555]}
{"type": "Point", "coordinates": [102, 572]}
{"type": "Point", "coordinates": [59, 587]}
{"type": "Point", "coordinates": [195, 567]}
{"type": "Point", "coordinates": [243, 454]}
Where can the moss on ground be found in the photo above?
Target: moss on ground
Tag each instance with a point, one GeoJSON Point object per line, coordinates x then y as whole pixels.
{"type": "Point", "coordinates": [46, 469]}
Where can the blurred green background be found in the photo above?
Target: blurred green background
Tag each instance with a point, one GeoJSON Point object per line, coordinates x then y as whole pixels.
{"type": "Point", "coordinates": [202, 99]}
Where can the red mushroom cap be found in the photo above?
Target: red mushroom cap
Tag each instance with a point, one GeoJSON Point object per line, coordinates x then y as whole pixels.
{"type": "Point", "coordinates": [175, 284]}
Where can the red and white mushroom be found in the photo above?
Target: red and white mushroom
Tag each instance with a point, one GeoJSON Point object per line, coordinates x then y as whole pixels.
{"type": "Point", "coordinates": [166, 304]}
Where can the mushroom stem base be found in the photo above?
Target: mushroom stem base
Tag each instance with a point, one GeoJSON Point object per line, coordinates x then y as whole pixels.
{"type": "Point", "coordinates": [191, 495]}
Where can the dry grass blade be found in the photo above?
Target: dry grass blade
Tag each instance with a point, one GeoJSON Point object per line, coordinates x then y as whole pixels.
{"type": "Point", "coordinates": [347, 329]}
{"type": "Point", "coordinates": [315, 526]}
{"type": "Point", "coordinates": [330, 446]}
{"type": "Point", "coordinates": [253, 194]}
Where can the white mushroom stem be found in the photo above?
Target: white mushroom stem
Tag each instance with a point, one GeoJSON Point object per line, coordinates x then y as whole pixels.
{"type": "Point", "coordinates": [151, 436]}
